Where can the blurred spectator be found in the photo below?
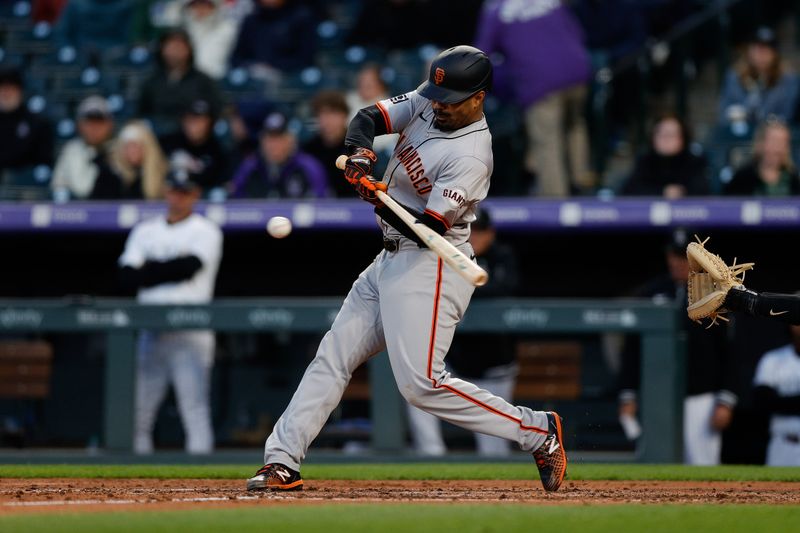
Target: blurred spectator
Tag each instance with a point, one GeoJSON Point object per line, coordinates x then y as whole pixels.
{"type": "Point", "coordinates": [245, 120]}
{"type": "Point", "coordinates": [138, 163]}
{"type": "Point", "coordinates": [615, 29]}
{"type": "Point", "coordinates": [488, 361]}
{"type": "Point", "coordinates": [279, 36]}
{"type": "Point", "coordinates": [95, 25]}
{"type": "Point", "coordinates": [672, 167]}
{"type": "Point", "coordinates": [547, 66]}
{"type": "Point", "coordinates": [196, 147]}
{"type": "Point", "coordinates": [82, 159]}
{"type": "Point", "coordinates": [26, 139]}
{"type": "Point", "coordinates": [279, 170]}
{"type": "Point", "coordinates": [758, 85]}
{"type": "Point", "coordinates": [47, 10]}
{"type": "Point", "coordinates": [379, 21]}
{"type": "Point", "coordinates": [163, 96]}
{"type": "Point", "coordinates": [771, 172]}
{"type": "Point", "coordinates": [174, 259]}
{"type": "Point", "coordinates": [369, 90]}
{"type": "Point", "coordinates": [331, 112]}
{"type": "Point", "coordinates": [777, 393]}
{"type": "Point", "coordinates": [710, 369]}
{"type": "Point", "coordinates": [461, 22]}
{"type": "Point", "coordinates": [212, 33]}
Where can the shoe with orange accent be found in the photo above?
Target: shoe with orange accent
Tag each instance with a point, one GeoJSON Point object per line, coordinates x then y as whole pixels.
{"type": "Point", "coordinates": [550, 457]}
{"type": "Point", "coordinates": [275, 476]}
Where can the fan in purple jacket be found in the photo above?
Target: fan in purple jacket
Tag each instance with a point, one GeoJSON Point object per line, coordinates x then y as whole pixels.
{"type": "Point", "coordinates": [278, 169]}
{"type": "Point", "coordinates": [545, 68]}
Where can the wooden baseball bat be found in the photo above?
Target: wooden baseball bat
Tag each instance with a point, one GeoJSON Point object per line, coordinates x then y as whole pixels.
{"type": "Point", "coordinates": [455, 258]}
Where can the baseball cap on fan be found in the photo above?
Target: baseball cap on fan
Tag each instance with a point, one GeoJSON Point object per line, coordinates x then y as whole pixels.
{"type": "Point", "coordinates": [94, 108]}
{"type": "Point", "coordinates": [276, 123]}
{"type": "Point", "coordinates": [456, 74]}
{"type": "Point", "coordinates": [764, 35]}
{"type": "Point", "coordinates": [198, 107]}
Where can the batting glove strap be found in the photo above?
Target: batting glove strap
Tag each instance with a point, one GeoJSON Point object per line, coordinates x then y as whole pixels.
{"type": "Point", "coordinates": [366, 188]}
{"type": "Point", "coordinates": [359, 165]}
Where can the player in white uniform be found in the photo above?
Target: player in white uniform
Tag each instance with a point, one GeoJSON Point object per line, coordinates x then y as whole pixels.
{"type": "Point", "coordinates": [407, 301]}
{"type": "Point", "coordinates": [777, 392]}
{"type": "Point", "coordinates": [174, 260]}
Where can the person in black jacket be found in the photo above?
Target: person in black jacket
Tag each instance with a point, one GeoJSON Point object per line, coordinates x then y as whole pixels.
{"type": "Point", "coordinates": [486, 360]}
{"type": "Point", "coordinates": [672, 167]}
{"type": "Point", "coordinates": [709, 401]}
{"type": "Point", "coordinates": [26, 139]}
{"type": "Point", "coordinates": [196, 147]}
{"type": "Point", "coordinates": [163, 96]}
{"type": "Point", "coordinates": [277, 37]}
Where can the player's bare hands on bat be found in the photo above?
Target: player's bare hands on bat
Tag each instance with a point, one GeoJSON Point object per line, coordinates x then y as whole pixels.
{"type": "Point", "coordinates": [721, 417]}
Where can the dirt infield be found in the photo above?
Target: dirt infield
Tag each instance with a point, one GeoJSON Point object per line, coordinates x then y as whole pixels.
{"type": "Point", "coordinates": [78, 495]}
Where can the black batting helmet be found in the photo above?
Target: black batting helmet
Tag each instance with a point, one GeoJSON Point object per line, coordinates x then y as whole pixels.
{"type": "Point", "coordinates": [456, 74]}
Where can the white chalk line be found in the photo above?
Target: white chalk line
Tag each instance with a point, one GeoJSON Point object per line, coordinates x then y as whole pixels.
{"type": "Point", "coordinates": [47, 503]}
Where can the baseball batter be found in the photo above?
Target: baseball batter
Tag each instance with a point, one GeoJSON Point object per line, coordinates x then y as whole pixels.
{"type": "Point", "coordinates": [777, 391]}
{"type": "Point", "coordinates": [407, 301]}
{"type": "Point", "coordinates": [174, 260]}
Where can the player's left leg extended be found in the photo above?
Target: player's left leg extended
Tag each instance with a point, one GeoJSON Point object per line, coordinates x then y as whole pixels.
{"type": "Point", "coordinates": [422, 300]}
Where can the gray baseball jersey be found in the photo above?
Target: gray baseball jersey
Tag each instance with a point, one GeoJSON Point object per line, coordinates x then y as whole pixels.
{"type": "Point", "coordinates": [407, 301]}
{"type": "Point", "coordinates": [442, 173]}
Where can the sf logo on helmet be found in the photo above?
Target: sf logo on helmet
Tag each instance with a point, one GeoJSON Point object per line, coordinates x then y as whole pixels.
{"type": "Point", "coordinates": [438, 76]}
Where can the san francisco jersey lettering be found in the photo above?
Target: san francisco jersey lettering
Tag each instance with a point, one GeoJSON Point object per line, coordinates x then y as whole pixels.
{"type": "Point", "coordinates": [443, 172]}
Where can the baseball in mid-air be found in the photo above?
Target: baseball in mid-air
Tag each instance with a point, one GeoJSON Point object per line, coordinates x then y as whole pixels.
{"type": "Point", "coordinates": [279, 227]}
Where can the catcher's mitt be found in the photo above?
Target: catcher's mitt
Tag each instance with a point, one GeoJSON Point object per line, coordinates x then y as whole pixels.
{"type": "Point", "coordinates": [710, 279]}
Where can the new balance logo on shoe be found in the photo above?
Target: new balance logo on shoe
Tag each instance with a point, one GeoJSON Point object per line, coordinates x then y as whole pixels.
{"type": "Point", "coordinates": [283, 474]}
{"type": "Point", "coordinates": [553, 446]}
{"type": "Point", "coordinates": [550, 457]}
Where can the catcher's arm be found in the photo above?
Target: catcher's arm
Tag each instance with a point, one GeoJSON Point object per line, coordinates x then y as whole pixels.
{"type": "Point", "coordinates": [782, 307]}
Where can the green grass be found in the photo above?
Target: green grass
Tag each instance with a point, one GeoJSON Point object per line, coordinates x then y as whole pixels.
{"type": "Point", "coordinates": [425, 517]}
{"type": "Point", "coordinates": [585, 471]}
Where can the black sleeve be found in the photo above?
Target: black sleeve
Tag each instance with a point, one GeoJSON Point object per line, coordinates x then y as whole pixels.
{"type": "Point", "coordinates": [157, 272]}
{"type": "Point", "coordinates": [394, 221]}
{"type": "Point", "coordinates": [767, 399]}
{"type": "Point", "coordinates": [783, 307]}
{"type": "Point", "coordinates": [365, 126]}
{"type": "Point", "coordinates": [43, 145]}
{"type": "Point", "coordinates": [698, 183]}
{"type": "Point", "coordinates": [630, 368]}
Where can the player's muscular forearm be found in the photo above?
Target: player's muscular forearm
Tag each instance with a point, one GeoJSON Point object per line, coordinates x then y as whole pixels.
{"type": "Point", "coordinates": [365, 126]}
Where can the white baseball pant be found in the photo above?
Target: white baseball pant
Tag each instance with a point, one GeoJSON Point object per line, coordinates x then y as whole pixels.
{"type": "Point", "coordinates": [183, 358]}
